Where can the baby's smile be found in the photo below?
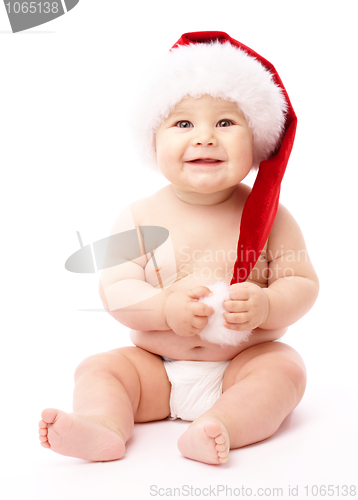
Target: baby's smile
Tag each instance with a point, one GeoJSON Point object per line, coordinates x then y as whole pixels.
{"type": "Point", "coordinates": [205, 162]}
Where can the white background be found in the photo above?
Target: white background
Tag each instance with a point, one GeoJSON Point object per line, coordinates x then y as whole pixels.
{"type": "Point", "coordinates": [68, 164]}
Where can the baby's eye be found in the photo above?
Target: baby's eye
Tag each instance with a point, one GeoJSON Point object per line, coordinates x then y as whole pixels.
{"type": "Point", "coordinates": [183, 124]}
{"type": "Point", "coordinates": [224, 123]}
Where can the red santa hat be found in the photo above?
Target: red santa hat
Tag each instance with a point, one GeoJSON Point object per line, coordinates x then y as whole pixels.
{"type": "Point", "coordinates": [211, 62]}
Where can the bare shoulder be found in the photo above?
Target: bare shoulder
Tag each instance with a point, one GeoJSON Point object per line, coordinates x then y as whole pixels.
{"type": "Point", "coordinates": [145, 208]}
{"type": "Point", "coordinates": [286, 248]}
{"type": "Point", "coordinates": [285, 233]}
{"type": "Point", "coordinates": [136, 213]}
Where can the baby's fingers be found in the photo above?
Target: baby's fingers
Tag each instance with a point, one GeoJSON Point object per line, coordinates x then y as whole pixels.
{"type": "Point", "coordinates": [238, 322]}
{"type": "Point", "coordinates": [236, 306]}
{"type": "Point", "coordinates": [201, 309]}
{"type": "Point", "coordinates": [199, 322]}
{"type": "Point", "coordinates": [240, 291]}
{"type": "Point", "coordinates": [237, 318]}
{"type": "Point", "coordinates": [200, 292]}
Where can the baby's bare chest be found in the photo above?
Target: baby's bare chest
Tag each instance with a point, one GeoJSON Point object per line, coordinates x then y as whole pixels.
{"type": "Point", "coordinates": [198, 251]}
{"type": "Point", "coordinates": [207, 251]}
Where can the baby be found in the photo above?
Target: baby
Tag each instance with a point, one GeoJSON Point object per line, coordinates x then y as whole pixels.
{"type": "Point", "coordinates": [205, 141]}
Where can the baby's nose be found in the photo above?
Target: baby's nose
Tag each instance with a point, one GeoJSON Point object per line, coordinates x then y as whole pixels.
{"type": "Point", "coordinates": [205, 137]}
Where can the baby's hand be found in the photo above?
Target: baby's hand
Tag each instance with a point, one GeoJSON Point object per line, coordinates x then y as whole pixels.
{"type": "Point", "coordinates": [184, 314]}
{"type": "Point", "coordinates": [247, 308]}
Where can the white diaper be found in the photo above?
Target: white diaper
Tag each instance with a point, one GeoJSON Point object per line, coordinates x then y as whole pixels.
{"type": "Point", "coordinates": [196, 386]}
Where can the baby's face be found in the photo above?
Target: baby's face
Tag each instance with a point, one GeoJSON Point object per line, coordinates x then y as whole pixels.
{"type": "Point", "coordinates": [205, 145]}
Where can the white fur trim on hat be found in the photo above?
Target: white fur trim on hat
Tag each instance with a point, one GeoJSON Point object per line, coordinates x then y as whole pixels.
{"type": "Point", "coordinates": [215, 331]}
{"type": "Point", "coordinates": [222, 71]}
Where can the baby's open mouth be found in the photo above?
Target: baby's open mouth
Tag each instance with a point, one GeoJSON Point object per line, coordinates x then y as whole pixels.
{"type": "Point", "coordinates": [205, 160]}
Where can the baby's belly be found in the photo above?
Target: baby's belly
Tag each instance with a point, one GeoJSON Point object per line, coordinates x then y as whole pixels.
{"type": "Point", "coordinates": [168, 344]}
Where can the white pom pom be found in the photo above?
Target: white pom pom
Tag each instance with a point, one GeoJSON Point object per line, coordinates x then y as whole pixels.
{"type": "Point", "coordinates": [215, 331]}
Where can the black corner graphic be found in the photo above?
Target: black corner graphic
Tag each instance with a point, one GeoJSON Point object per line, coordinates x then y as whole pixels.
{"type": "Point", "coordinates": [24, 15]}
{"type": "Point", "coordinates": [70, 4]}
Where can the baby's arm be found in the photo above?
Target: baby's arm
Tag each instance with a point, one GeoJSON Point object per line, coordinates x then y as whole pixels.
{"type": "Point", "coordinates": [292, 283]}
{"type": "Point", "coordinates": [146, 314]}
{"type": "Point", "coordinates": [124, 292]}
{"type": "Point", "coordinates": [161, 310]}
{"type": "Point", "coordinates": [135, 303]}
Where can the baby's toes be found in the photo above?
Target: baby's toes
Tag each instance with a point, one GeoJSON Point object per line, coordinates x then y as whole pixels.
{"type": "Point", "coordinates": [49, 416]}
{"type": "Point", "coordinates": [220, 439]}
{"type": "Point", "coordinates": [219, 434]}
{"type": "Point", "coordinates": [45, 444]}
{"type": "Point", "coordinates": [222, 447]}
{"type": "Point", "coordinates": [223, 453]}
{"type": "Point", "coordinates": [223, 457]}
{"type": "Point", "coordinates": [43, 434]}
{"type": "Point", "coordinates": [43, 425]}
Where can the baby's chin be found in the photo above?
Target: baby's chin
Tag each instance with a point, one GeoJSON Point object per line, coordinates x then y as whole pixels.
{"type": "Point", "coordinates": [203, 195]}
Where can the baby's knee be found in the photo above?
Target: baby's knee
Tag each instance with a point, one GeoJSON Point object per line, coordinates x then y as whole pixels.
{"type": "Point", "coordinates": [299, 376]}
{"type": "Point", "coordinates": [112, 362]}
{"type": "Point", "coordinates": [293, 368]}
{"type": "Point", "coordinates": [89, 364]}
{"type": "Point", "coordinates": [291, 365]}
{"type": "Point", "coordinates": [97, 362]}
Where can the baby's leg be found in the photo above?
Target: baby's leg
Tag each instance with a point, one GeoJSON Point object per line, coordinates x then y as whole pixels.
{"type": "Point", "coordinates": [112, 391]}
{"type": "Point", "coordinates": [261, 386]}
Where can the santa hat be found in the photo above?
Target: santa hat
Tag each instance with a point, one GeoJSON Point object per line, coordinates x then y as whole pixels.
{"type": "Point", "coordinates": [211, 62]}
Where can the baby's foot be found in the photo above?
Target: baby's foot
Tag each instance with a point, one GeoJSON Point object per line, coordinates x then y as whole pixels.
{"type": "Point", "coordinates": [205, 440]}
{"type": "Point", "coordinates": [91, 437]}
